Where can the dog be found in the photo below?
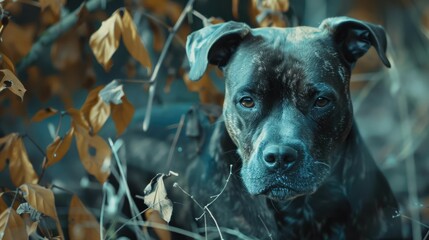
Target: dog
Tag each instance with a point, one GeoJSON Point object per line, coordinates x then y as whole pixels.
{"type": "Point", "coordinates": [288, 116]}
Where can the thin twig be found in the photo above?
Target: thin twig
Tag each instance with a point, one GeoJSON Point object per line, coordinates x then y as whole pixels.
{"type": "Point", "coordinates": [164, 51]}
{"type": "Point", "coordinates": [133, 207]}
{"type": "Point", "coordinates": [103, 205]}
{"type": "Point", "coordinates": [266, 228]}
{"type": "Point", "coordinates": [214, 220]}
{"type": "Point", "coordinates": [175, 140]}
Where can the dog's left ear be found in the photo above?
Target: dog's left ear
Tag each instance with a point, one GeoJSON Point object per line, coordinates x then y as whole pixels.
{"type": "Point", "coordinates": [213, 44]}
{"type": "Point", "coordinates": [355, 37]}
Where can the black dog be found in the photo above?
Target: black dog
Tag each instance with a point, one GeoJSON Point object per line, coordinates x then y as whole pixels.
{"type": "Point", "coordinates": [288, 115]}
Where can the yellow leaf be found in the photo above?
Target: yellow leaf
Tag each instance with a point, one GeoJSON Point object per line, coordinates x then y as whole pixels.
{"type": "Point", "coordinates": [95, 110]}
{"type": "Point", "coordinates": [12, 226]}
{"type": "Point", "coordinates": [20, 168]}
{"type": "Point", "coordinates": [133, 42]}
{"type": "Point", "coordinates": [98, 163]}
{"type": "Point", "coordinates": [78, 118]}
{"type": "Point", "coordinates": [105, 40]}
{"type": "Point", "coordinates": [205, 88]}
{"type": "Point", "coordinates": [82, 224]}
{"type": "Point", "coordinates": [43, 113]}
{"type": "Point", "coordinates": [58, 149]}
{"type": "Point", "coordinates": [6, 145]}
{"type": "Point", "coordinates": [42, 199]}
{"type": "Point", "coordinates": [11, 82]}
{"type": "Point", "coordinates": [54, 5]}
{"type": "Point", "coordinates": [122, 114]}
{"type": "Point", "coordinates": [153, 216]}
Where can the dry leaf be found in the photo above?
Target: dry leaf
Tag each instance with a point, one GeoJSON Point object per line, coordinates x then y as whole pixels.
{"type": "Point", "coordinates": [54, 5]}
{"type": "Point", "coordinates": [275, 5]}
{"type": "Point", "coordinates": [133, 42]}
{"type": "Point", "coordinates": [42, 199]}
{"type": "Point", "coordinates": [6, 63]}
{"type": "Point", "coordinates": [20, 168]}
{"type": "Point", "coordinates": [235, 4]}
{"type": "Point", "coordinates": [156, 197]}
{"type": "Point", "coordinates": [78, 118]}
{"type": "Point", "coordinates": [66, 51]}
{"type": "Point", "coordinates": [3, 205]}
{"type": "Point", "coordinates": [95, 110]}
{"type": "Point", "coordinates": [11, 82]}
{"type": "Point", "coordinates": [158, 36]}
{"type": "Point", "coordinates": [18, 39]}
{"type": "Point", "coordinates": [12, 226]}
{"type": "Point", "coordinates": [58, 149]}
{"type": "Point", "coordinates": [44, 113]}
{"type": "Point", "coordinates": [122, 114]}
{"type": "Point", "coordinates": [98, 163]}
{"type": "Point", "coordinates": [207, 91]}
{"type": "Point", "coordinates": [112, 93]}
{"type": "Point", "coordinates": [6, 146]}
{"type": "Point", "coordinates": [154, 217]}
{"type": "Point", "coordinates": [105, 40]}
{"type": "Point", "coordinates": [82, 224]}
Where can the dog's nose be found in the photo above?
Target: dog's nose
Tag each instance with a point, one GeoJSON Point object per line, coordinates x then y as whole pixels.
{"type": "Point", "coordinates": [279, 156]}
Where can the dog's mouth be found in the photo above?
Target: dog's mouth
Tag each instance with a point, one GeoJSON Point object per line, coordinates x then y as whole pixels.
{"type": "Point", "coordinates": [282, 193]}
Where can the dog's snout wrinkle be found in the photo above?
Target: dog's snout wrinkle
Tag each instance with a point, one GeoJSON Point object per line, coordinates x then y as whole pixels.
{"type": "Point", "coordinates": [276, 156]}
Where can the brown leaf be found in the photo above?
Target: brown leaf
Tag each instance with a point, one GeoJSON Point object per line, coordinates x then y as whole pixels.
{"type": "Point", "coordinates": [207, 91]}
{"type": "Point", "coordinates": [58, 149]}
{"type": "Point", "coordinates": [154, 217]}
{"type": "Point", "coordinates": [6, 63]}
{"type": "Point", "coordinates": [6, 146]}
{"type": "Point", "coordinates": [98, 163]}
{"type": "Point", "coordinates": [95, 110]}
{"type": "Point", "coordinates": [20, 168]}
{"type": "Point", "coordinates": [18, 39]}
{"type": "Point", "coordinates": [156, 197]}
{"type": "Point", "coordinates": [12, 226]}
{"type": "Point", "coordinates": [158, 36]}
{"type": "Point", "coordinates": [78, 118]}
{"type": "Point", "coordinates": [54, 5]}
{"type": "Point", "coordinates": [3, 205]}
{"type": "Point", "coordinates": [43, 114]}
{"type": "Point", "coordinates": [122, 114]}
{"type": "Point", "coordinates": [82, 224]}
{"type": "Point", "coordinates": [105, 40]}
{"type": "Point", "coordinates": [42, 199]}
{"type": "Point", "coordinates": [235, 4]}
{"type": "Point", "coordinates": [11, 82]}
{"type": "Point", "coordinates": [276, 5]}
{"type": "Point", "coordinates": [66, 51]}
{"type": "Point", "coordinates": [133, 42]}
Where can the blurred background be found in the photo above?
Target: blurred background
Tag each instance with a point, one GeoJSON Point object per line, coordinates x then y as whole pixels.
{"type": "Point", "coordinates": [391, 105]}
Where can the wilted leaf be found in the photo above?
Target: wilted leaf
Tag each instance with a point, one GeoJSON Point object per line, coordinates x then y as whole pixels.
{"type": "Point", "coordinates": [95, 110]}
{"type": "Point", "coordinates": [205, 88]}
{"type": "Point", "coordinates": [82, 224]}
{"type": "Point", "coordinates": [112, 93]}
{"type": "Point", "coordinates": [78, 118]}
{"type": "Point", "coordinates": [156, 197]}
{"type": "Point", "coordinates": [154, 217]}
{"type": "Point", "coordinates": [122, 114]}
{"type": "Point", "coordinates": [133, 42]}
{"type": "Point", "coordinates": [12, 226]}
{"type": "Point", "coordinates": [58, 149]}
{"type": "Point", "coordinates": [54, 5]}
{"type": "Point", "coordinates": [20, 168]}
{"type": "Point", "coordinates": [6, 146]}
{"type": "Point", "coordinates": [94, 153]}
{"type": "Point", "coordinates": [41, 199]}
{"type": "Point", "coordinates": [105, 40]}
{"type": "Point", "coordinates": [10, 81]}
{"type": "Point", "coordinates": [44, 113]}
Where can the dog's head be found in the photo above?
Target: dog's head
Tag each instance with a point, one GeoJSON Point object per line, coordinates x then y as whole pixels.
{"type": "Point", "coordinates": [287, 104]}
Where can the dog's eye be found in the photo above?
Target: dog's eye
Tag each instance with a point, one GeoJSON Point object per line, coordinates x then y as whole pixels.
{"type": "Point", "coordinates": [247, 102]}
{"type": "Point", "coordinates": [321, 102]}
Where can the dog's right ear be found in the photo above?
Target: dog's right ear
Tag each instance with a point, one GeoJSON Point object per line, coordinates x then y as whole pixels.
{"type": "Point", "coordinates": [213, 44]}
